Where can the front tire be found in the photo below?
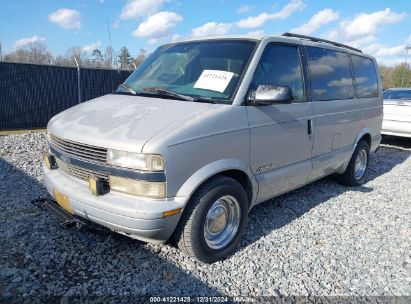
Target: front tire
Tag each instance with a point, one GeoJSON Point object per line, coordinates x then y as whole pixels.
{"type": "Point", "coordinates": [356, 170]}
{"type": "Point", "coordinates": [213, 221]}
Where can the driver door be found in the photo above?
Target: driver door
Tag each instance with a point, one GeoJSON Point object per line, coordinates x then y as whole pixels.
{"type": "Point", "coordinates": [280, 134]}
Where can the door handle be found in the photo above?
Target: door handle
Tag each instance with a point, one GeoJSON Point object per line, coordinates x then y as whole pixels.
{"type": "Point", "coordinates": [310, 127]}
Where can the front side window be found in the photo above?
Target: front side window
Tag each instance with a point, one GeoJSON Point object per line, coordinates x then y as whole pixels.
{"type": "Point", "coordinates": [330, 74]}
{"type": "Point", "coordinates": [365, 76]}
{"type": "Point", "coordinates": [201, 69]}
{"type": "Point", "coordinates": [280, 65]}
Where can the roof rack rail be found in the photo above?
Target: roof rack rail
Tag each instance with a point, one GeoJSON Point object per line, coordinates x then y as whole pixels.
{"type": "Point", "coordinates": [321, 40]}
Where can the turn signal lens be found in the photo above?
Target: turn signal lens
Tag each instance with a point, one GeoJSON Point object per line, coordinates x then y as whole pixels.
{"type": "Point", "coordinates": [171, 212]}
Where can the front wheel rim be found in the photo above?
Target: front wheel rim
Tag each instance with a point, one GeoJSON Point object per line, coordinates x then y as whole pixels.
{"type": "Point", "coordinates": [222, 222]}
{"type": "Point", "coordinates": [360, 164]}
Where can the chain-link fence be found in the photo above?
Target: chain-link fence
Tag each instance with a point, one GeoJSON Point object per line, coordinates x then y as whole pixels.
{"type": "Point", "coordinates": [31, 94]}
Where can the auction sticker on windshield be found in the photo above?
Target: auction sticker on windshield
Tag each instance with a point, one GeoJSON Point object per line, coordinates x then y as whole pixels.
{"type": "Point", "coordinates": [214, 80]}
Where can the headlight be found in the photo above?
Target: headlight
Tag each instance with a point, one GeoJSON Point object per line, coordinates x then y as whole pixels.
{"type": "Point", "coordinates": [146, 162]}
{"type": "Point", "coordinates": [137, 187]}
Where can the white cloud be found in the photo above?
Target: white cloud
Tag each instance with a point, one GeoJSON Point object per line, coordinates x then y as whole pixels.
{"type": "Point", "coordinates": [211, 29]}
{"type": "Point", "coordinates": [364, 25]}
{"type": "Point", "coordinates": [27, 41]}
{"type": "Point", "coordinates": [284, 13]}
{"type": "Point", "coordinates": [361, 42]}
{"type": "Point", "coordinates": [157, 25]}
{"type": "Point", "coordinates": [255, 33]}
{"type": "Point", "coordinates": [390, 61]}
{"type": "Point", "coordinates": [244, 9]}
{"type": "Point", "coordinates": [319, 19]}
{"type": "Point", "coordinates": [176, 37]}
{"type": "Point", "coordinates": [91, 47]}
{"type": "Point", "coordinates": [379, 50]}
{"type": "Point", "coordinates": [408, 40]}
{"type": "Point", "coordinates": [140, 8]}
{"type": "Point", "coordinates": [66, 18]}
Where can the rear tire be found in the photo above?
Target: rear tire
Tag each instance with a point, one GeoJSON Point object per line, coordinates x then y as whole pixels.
{"type": "Point", "coordinates": [357, 168]}
{"type": "Point", "coordinates": [213, 221]}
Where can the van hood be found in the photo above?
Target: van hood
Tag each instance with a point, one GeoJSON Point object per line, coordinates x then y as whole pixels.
{"type": "Point", "coordinates": [121, 121]}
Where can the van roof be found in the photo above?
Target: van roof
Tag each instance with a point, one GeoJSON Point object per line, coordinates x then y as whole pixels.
{"type": "Point", "coordinates": [287, 36]}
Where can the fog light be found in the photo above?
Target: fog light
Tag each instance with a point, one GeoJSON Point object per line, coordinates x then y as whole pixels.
{"type": "Point", "coordinates": [50, 162]}
{"type": "Point", "coordinates": [138, 187]}
{"type": "Point", "coordinates": [96, 185]}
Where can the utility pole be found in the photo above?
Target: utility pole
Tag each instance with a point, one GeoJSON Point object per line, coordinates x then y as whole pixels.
{"type": "Point", "coordinates": [109, 38]}
{"type": "Point", "coordinates": [1, 54]}
{"type": "Point", "coordinates": [78, 80]}
{"type": "Point", "coordinates": [405, 65]}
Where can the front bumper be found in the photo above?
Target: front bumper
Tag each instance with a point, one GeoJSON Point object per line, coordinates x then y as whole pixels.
{"type": "Point", "coordinates": [136, 217]}
{"type": "Point", "coordinates": [396, 128]}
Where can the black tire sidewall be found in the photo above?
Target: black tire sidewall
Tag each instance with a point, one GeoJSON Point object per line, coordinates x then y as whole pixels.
{"type": "Point", "coordinates": [362, 145]}
{"type": "Point", "coordinates": [204, 252]}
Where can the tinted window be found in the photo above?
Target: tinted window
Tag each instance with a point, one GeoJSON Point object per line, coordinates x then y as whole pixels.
{"type": "Point", "coordinates": [330, 74]}
{"type": "Point", "coordinates": [397, 94]}
{"type": "Point", "coordinates": [365, 77]}
{"type": "Point", "coordinates": [280, 65]}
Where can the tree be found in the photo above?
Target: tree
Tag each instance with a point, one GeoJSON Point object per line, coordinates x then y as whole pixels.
{"type": "Point", "coordinates": [77, 53]}
{"type": "Point", "coordinates": [401, 76]}
{"type": "Point", "coordinates": [32, 53]}
{"type": "Point", "coordinates": [124, 58]}
{"type": "Point", "coordinates": [97, 58]}
{"type": "Point", "coordinates": [108, 58]}
{"type": "Point", "coordinates": [140, 57]}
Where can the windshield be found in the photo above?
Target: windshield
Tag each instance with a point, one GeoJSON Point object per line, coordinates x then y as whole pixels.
{"type": "Point", "coordinates": [200, 69]}
{"type": "Point", "coordinates": [397, 94]}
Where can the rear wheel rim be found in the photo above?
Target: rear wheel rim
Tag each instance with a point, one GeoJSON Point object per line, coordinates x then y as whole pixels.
{"type": "Point", "coordinates": [360, 164]}
{"type": "Point", "coordinates": [222, 222]}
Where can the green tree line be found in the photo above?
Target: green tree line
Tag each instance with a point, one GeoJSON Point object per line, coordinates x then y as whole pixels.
{"type": "Point", "coordinates": [396, 76]}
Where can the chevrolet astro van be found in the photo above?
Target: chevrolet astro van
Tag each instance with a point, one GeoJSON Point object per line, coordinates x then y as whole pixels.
{"type": "Point", "coordinates": [206, 129]}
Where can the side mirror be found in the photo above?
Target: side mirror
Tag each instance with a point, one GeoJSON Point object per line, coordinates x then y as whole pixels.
{"type": "Point", "coordinates": [270, 94]}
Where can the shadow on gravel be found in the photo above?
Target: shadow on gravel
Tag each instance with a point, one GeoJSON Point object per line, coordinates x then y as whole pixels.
{"type": "Point", "coordinates": [40, 259]}
{"type": "Point", "coordinates": [396, 142]}
{"type": "Point", "coordinates": [282, 210]}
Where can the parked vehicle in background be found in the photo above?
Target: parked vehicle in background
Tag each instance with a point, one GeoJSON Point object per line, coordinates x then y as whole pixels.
{"type": "Point", "coordinates": [397, 112]}
{"type": "Point", "coordinates": [206, 129]}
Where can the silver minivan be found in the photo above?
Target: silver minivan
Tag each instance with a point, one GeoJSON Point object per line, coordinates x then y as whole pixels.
{"type": "Point", "coordinates": [206, 129]}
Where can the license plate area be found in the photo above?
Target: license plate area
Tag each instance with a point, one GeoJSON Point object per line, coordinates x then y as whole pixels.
{"type": "Point", "coordinates": [63, 201]}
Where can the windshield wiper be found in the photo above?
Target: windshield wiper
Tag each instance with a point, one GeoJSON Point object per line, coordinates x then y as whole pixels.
{"type": "Point", "coordinates": [128, 88]}
{"type": "Point", "coordinates": [166, 92]}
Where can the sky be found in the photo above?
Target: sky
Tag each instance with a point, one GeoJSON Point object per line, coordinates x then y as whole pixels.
{"type": "Point", "coordinates": [380, 28]}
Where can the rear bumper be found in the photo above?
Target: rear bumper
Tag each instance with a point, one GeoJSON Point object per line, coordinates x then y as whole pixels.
{"type": "Point", "coordinates": [396, 128]}
{"type": "Point", "coordinates": [136, 217]}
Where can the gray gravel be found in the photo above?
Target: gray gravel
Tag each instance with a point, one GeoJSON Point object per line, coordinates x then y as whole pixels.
{"type": "Point", "coordinates": [323, 239]}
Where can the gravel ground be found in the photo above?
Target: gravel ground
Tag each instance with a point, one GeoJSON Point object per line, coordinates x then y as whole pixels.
{"type": "Point", "coordinates": [323, 239]}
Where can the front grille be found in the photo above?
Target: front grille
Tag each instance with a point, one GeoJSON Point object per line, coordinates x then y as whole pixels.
{"type": "Point", "coordinates": [78, 172]}
{"type": "Point", "coordinates": [78, 150]}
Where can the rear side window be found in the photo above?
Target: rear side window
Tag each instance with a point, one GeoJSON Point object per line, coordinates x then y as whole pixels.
{"type": "Point", "coordinates": [365, 76]}
{"type": "Point", "coordinates": [330, 74]}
